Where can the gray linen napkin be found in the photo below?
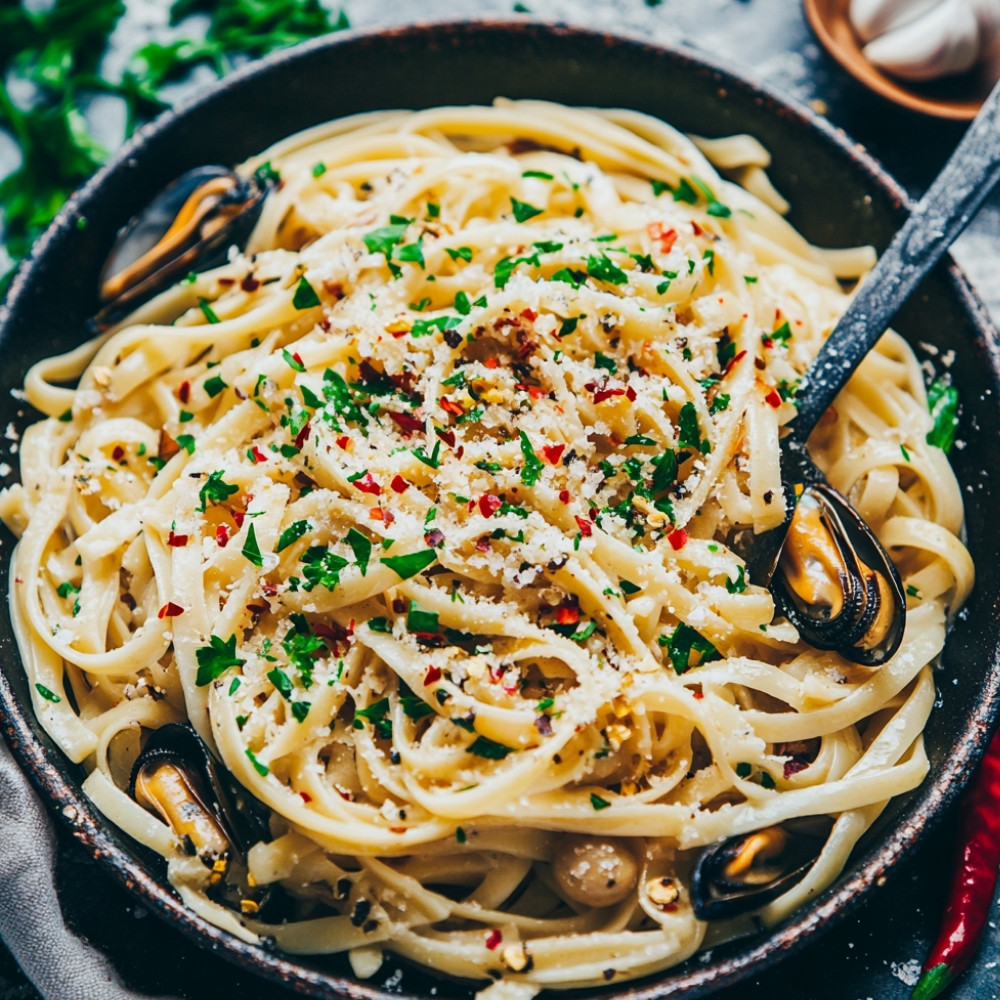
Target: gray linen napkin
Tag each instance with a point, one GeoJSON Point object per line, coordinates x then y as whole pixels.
{"type": "Point", "coordinates": [61, 965]}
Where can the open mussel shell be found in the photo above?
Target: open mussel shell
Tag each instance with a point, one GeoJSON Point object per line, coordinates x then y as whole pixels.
{"type": "Point", "coordinates": [835, 582]}
{"type": "Point", "coordinates": [177, 778]}
{"type": "Point", "coordinates": [188, 226]}
{"type": "Point", "coordinates": [744, 873]}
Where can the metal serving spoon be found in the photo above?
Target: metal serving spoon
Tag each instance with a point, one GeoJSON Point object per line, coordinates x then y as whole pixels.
{"type": "Point", "coordinates": [827, 570]}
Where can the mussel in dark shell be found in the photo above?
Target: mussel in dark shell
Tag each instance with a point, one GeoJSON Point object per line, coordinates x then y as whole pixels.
{"type": "Point", "coordinates": [188, 226]}
{"type": "Point", "coordinates": [176, 778]}
{"type": "Point", "coordinates": [744, 873]}
{"type": "Point", "coordinates": [835, 582]}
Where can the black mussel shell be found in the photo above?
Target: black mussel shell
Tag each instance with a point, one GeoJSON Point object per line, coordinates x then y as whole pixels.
{"type": "Point", "coordinates": [744, 873]}
{"type": "Point", "coordinates": [867, 626]}
{"type": "Point", "coordinates": [189, 226]}
{"type": "Point", "coordinates": [240, 816]}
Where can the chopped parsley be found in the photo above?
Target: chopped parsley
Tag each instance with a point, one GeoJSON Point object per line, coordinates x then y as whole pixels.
{"type": "Point", "coordinates": [523, 211]}
{"type": "Point", "coordinates": [305, 295]}
{"type": "Point", "coordinates": [532, 463]}
{"type": "Point", "coordinates": [216, 490]}
{"type": "Point", "coordinates": [251, 550]}
{"type": "Point", "coordinates": [216, 658]}
{"type": "Point", "coordinates": [942, 401]}
{"type": "Point", "coordinates": [483, 747]}
{"type": "Point", "coordinates": [409, 565]}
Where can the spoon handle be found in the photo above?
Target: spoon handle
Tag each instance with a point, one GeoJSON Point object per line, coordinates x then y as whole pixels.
{"type": "Point", "coordinates": [944, 211]}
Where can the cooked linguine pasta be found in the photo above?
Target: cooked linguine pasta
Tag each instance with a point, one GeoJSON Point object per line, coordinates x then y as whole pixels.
{"type": "Point", "coordinates": [417, 512]}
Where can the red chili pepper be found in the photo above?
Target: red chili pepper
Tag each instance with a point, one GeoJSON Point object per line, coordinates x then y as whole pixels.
{"type": "Point", "coordinates": [489, 504]}
{"type": "Point", "coordinates": [973, 881]}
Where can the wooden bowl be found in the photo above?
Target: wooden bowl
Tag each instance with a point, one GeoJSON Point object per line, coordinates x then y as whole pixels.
{"type": "Point", "coordinates": [955, 97]}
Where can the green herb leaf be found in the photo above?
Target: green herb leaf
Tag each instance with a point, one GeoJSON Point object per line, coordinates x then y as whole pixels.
{"type": "Point", "coordinates": [47, 694]}
{"type": "Point", "coordinates": [305, 295]}
{"type": "Point", "coordinates": [532, 463]}
{"type": "Point", "coordinates": [942, 401]}
{"type": "Point", "coordinates": [602, 268]}
{"type": "Point", "coordinates": [216, 658]}
{"type": "Point", "coordinates": [216, 490]}
{"type": "Point", "coordinates": [251, 550]}
{"type": "Point", "coordinates": [409, 565]}
{"type": "Point", "coordinates": [597, 802]}
{"type": "Point", "coordinates": [523, 211]}
{"type": "Point", "coordinates": [418, 620]}
{"type": "Point", "coordinates": [361, 547]}
{"type": "Point", "coordinates": [683, 642]}
{"type": "Point", "coordinates": [215, 385]}
{"type": "Point", "coordinates": [293, 533]}
{"type": "Point", "coordinates": [483, 747]}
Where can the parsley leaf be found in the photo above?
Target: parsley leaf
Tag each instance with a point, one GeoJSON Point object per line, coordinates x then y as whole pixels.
{"type": "Point", "coordinates": [216, 658]}
{"type": "Point", "coordinates": [216, 490]}
{"type": "Point", "coordinates": [409, 565]}
{"type": "Point", "coordinates": [942, 401]}
{"type": "Point", "coordinates": [532, 463]}
{"type": "Point", "coordinates": [251, 550]}
{"type": "Point", "coordinates": [523, 211]}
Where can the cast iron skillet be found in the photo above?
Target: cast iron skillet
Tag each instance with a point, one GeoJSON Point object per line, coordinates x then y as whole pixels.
{"type": "Point", "coordinates": [840, 197]}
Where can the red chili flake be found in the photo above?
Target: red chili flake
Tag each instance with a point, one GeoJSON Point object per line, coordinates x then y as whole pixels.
{"type": "Point", "coordinates": [258, 455]}
{"type": "Point", "coordinates": [767, 342]}
{"type": "Point", "coordinates": [184, 392]}
{"type": "Point", "coordinates": [793, 766]}
{"type": "Point", "coordinates": [564, 496]}
{"type": "Point", "coordinates": [259, 609]}
{"type": "Point", "coordinates": [630, 394]}
{"type": "Point", "coordinates": [736, 360]}
{"type": "Point", "coordinates": [529, 314]}
{"type": "Point", "coordinates": [553, 452]}
{"type": "Point", "coordinates": [483, 545]}
{"type": "Point", "coordinates": [238, 517]}
{"type": "Point", "coordinates": [773, 398]}
{"type": "Point", "coordinates": [168, 447]}
{"type": "Point", "coordinates": [527, 348]}
{"type": "Point", "coordinates": [177, 541]}
{"type": "Point", "coordinates": [249, 283]}
{"type": "Point", "coordinates": [305, 796]}
{"type": "Point", "coordinates": [170, 610]}
{"type": "Point", "coordinates": [343, 442]}
{"type": "Point", "coordinates": [666, 237]}
{"type": "Point", "coordinates": [434, 538]}
{"type": "Point", "coordinates": [406, 422]}
{"type": "Point", "coordinates": [493, 939]}
{"type": "Point", "coordinates": [449, 407]}
{"type": "Point", "coordinates": [297, 358]}
{"type": "Point", "coordinates": [344, 794]}
{"type": "Point", "coordinates": [399, 484]}
{"type": "Point", "coordinates": [678, 539]}
{"type": "Point", "coordinates": [269, 589]}
{"type": "Point", "coordinates": [385, 516]}
{"type": "Point", "coordinates": [534, 391]}
{"type": "Point", "coordinates": [334, 288]}
{"type": "Point", "coordinates": [300, 438]}
{"type": "Point", "coordinates": [222, 536]}
{"type": "Point", "coordinates": [592, 513]}
{"type": "Point", "coordinates": [336, 632]}
{"type": "Point", "coordinates": [584, 525]}
{"type": "Point", "coordinates": [489, 504]}
{"type": "Point", "coordinates": [432, 676]}
{"type": "Point", "coordinates": [603, 394]}
{"type": "Point", "coordinates": [367, 484]}
{"type": "Point", "coordinates": [119, 453]}
{"type": "Point", "coordinates": [447, 436]}
{"type": "Point", "coordinates": [491, 363]}
{"type": "Point", "coordinates": [324, 325]}
{"type": "Point", "coordinates": [697, 695]}
{"type": "Point", "coordinates": [567, 616]}
{"type": "Point", "coordinates": [696, 229]}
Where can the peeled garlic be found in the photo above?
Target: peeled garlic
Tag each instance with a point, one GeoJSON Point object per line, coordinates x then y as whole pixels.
{"type": "Point", "coordinates": [871, 18]}
{"type": "Point", "coordinates": [924, 39]}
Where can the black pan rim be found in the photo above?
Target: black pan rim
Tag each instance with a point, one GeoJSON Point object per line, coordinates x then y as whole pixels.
{"type": "Point", "coordinates": [932, 799]}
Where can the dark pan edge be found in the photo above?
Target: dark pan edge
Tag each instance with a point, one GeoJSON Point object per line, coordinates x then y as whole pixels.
{"type": "Point", "coordinates": [933, 797]}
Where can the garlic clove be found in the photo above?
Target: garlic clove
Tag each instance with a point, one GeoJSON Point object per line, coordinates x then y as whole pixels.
{"type": "Point", "coordinates": [871, 18]}
{"type": "Point", "coordinates": [944, 40]}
